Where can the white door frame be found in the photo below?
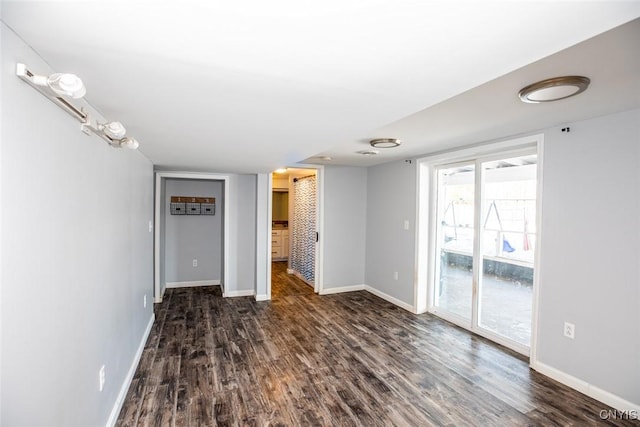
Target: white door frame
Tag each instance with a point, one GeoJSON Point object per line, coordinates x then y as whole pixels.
{"type": "Point", "coordinates": [319, 262]}
{"type": "Point", "coordinates": [424, 284]}
{"type": "Point", "coordinates": [159, 184]}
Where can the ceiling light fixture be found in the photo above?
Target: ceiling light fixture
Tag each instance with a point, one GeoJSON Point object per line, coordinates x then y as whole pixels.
{"type": "Point", "coordinates": [65, 84]}
{"type": "Point", "coordinates": [281, 170]}
{"type": "Point", "coordinates": [368, 152]}
{"type": "Point", "coordinates": [554, 89]}
{"type": "Point", "coordinates": [59, 85]}
{"type": "Point", "coordinates": [127, 142]}
{"type": "Point", "coordinates": [385, 142]}
{"type": "Point", "coordinates": [114, 130]}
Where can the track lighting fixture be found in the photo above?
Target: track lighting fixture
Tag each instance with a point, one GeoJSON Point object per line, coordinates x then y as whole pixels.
{"type": "Point", "coordinates": [128, 142]}
{"type": "Point", "coordinates": [60, 85]}
{"type": "Point", "coordinates": [113, 130]}
{"type": "Point", "coordinates": [66, 85]}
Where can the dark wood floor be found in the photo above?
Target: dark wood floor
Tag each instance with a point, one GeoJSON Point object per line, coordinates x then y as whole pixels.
{"type": "Point", "coordinates": [337, 360]}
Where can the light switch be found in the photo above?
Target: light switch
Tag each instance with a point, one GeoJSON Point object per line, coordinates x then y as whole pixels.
{"type": "Point", "coordinates": [406, 224]}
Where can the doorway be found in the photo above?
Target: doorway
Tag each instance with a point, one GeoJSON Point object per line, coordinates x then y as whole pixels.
{"type": "Point", "coordinates": [479, 234]}
{"type": "Point", "coordinates": [160, 277]}
{"type": "Point", "coordinates": [295, 229]}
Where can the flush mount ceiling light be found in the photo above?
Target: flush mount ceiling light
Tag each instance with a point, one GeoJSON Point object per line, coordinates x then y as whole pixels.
{"type": "Point", "coordinates": [385, 142]}
{"type": "Point", "coordinates": [554, 89]}
{"type": "Point", "coordinates": [59, 85]}
{"type": "Point", "coordinates": [281, 170]}
{"type": "Point", "coordinates": [368, 152]}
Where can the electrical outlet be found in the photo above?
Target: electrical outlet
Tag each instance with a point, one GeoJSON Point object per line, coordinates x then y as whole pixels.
{"type": "Point", "coordinates": [195, 262]}
{"type": "Point", "coordinates": [150, 226]}
{"type": "Point", "coordinates": [102, 376]}
{"type": "Point", "coordinates": [144, 301]}
{"type": "Point", "coordinates": [569, 330]}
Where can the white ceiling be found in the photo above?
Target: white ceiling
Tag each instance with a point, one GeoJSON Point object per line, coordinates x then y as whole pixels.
{"type": "Point", "coordinates": [248, 86]}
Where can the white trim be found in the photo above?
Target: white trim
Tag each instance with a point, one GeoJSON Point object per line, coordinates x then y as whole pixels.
{"type": "Point", "coordinates": [263, 235]}
{"type": "Point", "coordinates": [240, 293]}
{"type": "Point", "coordinates": [319, 267]}
{"type": "Point", "coordinates": [341, 289]}
{"type": "Point", "coordinates": [584, 387]}
{"type": "Point", "coordinates": [269, 235]}
{"type": "Point", "coordinates": [421, 261]}
{"type": "Point", "coordinates": [535, 313]}
{"type": "Point", "coordinates": [157, 296]}
{"type": "Point", "coordinates": [480, 150]}
{"type": "Point", "coordinates": [392, 300]}
{"type": "Point", "coordinates": [290, 271]}
{"type": "Point", "coordinates": [263, 297]}
{"type": "Point", "coordinates": [192, 284]}
{"type": "Point", "coordinates": [117, 406]}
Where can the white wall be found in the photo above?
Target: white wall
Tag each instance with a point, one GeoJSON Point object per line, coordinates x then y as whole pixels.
{"type": "Point", "coordinates": [162, 238]}
{"type": "Point", "coordinates": [391, 199]}
{"type": "Point", "coordinates": [245, 216]}
{"type": "Point", "coordinates": [189, 237]}
{"type": "Point", "coordinates": [76, 258]}
{"type": "Point", "coordinates": [345, 213]}
{"type": "Point", "coordinates": [590, 265]}
{"type": "Point", "coordinates": [262, 240]}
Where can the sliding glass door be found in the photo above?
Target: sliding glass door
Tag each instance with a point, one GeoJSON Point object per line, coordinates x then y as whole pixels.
{"type": "Point", "coordinates": [508, 242]}
{"type": "Point", "coordinates": [485, 244]}
{"type": "Point", "coordinates": [455, 236]}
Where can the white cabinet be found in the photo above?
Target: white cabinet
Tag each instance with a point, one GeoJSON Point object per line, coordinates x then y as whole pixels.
{"type": "Point", "coordinates": [285, 244]}
{"type": "Point", "coordinates": [279, 244]}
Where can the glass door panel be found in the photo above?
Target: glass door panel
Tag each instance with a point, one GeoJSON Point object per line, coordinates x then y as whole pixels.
{"type": "Point", "coordinates": [455, 239]}
{"type": "Point", "coordinates": [508, 239]}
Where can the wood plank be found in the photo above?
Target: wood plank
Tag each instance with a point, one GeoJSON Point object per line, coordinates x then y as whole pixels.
{"type": "Point", "coordinates": [336, 360]}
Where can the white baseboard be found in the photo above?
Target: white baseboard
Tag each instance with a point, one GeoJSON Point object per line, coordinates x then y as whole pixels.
{"type": "Point", "coordinates": [374, 291]}
{"type": "Point", "coordinates": [584, 387]}
{"type": "Point", "coordinates": [262, 297]}
{"type": "Point", "coordinates": [392, 300]}
{"type": "Point", "coordinates": [193, 284]}
{"type": "Point", "coordinates": [113, 417]}
{"type": "Point", "coordinates": [246, 293]}
{"type": "Point", "coordinates": [290, 270]}
{"type": "Point", "coordinates": [341, 289]}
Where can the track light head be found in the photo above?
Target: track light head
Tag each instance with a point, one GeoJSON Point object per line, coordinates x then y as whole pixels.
{"type": "Point", "coordinates": [66, 84]}
{"type": "Point", "coordinates": [129, 143]}
{"type": "Point", "coordinates": [114, 130]}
